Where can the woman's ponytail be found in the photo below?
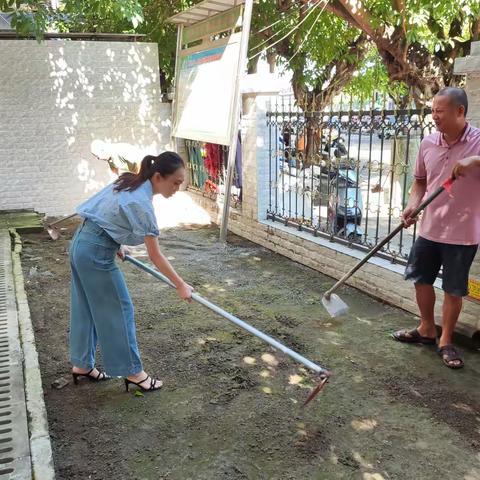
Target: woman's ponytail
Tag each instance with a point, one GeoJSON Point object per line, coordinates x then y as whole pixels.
{"type": "Point", "coordinates": [166, 163]}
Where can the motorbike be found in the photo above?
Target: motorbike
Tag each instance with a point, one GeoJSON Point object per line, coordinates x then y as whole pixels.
{"type": "Point", "coordinates": [336, 147]}
{"type": "Point", "coordinates": [334, 156]}
{"type": "Point", "coordinates": [345, 205]}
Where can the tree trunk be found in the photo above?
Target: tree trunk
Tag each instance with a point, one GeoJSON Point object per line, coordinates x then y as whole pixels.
{"type": "Point", "coordinates": [272, 60]}
{"type": "Point", "coordinates": [252, 65]}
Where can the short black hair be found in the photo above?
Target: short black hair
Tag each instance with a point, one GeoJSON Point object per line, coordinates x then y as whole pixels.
{"type": "Point", "coordinates": [456, 95]}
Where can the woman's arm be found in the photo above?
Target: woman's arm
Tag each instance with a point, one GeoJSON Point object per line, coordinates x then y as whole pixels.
{"type": "Point", "coordinates": [164, 266]}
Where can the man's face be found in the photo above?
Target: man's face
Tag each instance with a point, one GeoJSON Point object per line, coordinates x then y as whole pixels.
{"type": "Point", "coordinates": [446, 115]}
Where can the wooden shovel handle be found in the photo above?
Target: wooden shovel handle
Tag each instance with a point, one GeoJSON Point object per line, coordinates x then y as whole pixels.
{"type": "Point", "coordinates": [445, 186]}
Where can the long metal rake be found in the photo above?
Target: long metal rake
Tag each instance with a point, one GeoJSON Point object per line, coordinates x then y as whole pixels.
{"type": "Point", "coordinates": [322, 372]}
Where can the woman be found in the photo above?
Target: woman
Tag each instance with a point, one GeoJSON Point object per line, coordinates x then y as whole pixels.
{"type": "Point", "coordinates": [120, 214]}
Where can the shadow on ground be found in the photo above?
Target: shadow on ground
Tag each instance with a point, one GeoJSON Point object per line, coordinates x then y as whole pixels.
{"type": "Point", "coordinates": [230, 408]}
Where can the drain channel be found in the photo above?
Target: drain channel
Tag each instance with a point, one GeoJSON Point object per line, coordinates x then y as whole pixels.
{"type": "Point", "coordinates": [14, 443]}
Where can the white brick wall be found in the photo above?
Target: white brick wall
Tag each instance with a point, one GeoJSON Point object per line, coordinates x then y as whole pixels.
{"type": "Point", "coordinates": [60, 96]}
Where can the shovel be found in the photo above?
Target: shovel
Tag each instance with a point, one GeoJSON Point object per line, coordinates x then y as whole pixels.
{"type": "Point", "coordinates": [332, 302]}
{"type": "Point", "coordinates": [53, 230]}
{"type": "Point", "coordinates": [323, 373]}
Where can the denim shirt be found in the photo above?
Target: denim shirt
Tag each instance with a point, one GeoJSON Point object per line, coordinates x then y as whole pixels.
{"type": "Point", "coordinates": [127, 217]}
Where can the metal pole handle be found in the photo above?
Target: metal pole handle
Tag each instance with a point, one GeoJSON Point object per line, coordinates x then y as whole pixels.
{"type": "Point", "coordinates": [62, 220]}
{"type": "Point", "coordinates": [274, 343]}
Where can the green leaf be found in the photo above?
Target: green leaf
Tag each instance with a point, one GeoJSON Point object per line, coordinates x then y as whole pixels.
{"type": "Point", "coordinates": [138, 393]}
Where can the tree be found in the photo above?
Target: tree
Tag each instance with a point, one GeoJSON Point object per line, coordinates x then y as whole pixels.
{"type": "Point", "coordinates": [291, 32]}
{"type": "Point", "coordinates": [324, 43]}
{"type": "Point", "coordinates": [33, 17]}
{"type": "Point", "coordinates": [417, 40]}
{"type": "Point", "coordinates": [159, 30]}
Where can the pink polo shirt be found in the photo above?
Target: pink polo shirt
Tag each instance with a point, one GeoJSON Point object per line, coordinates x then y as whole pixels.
{"type": "Point", "coordinates": [450, 220]}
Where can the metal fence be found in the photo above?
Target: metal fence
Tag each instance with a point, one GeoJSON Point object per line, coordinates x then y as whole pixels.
{"type": "Point", "coordinates": [344, 174]}
{"type": "Point", "coordinates": [207, 167]}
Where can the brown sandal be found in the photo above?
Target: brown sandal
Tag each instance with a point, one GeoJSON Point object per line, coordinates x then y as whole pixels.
{"type": "Point", "coordinates": [413, 336]}
{"type": "Point", "coordinates": [449, 356]}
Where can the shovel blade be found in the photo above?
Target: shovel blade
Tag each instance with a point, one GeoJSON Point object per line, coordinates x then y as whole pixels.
{"type": "Point", "coordinates": [53, 232]}
{"type": "Point", "coordinates": [334, 305]}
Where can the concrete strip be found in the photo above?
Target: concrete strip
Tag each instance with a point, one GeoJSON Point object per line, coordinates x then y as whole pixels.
{"type": "Point", "coordinates": [40, 446]}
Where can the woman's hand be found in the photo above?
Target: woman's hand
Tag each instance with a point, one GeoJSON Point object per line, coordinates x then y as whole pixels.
{"type": "Point", "coordinates": [185, 290]}
{"type": "Point", "coordinates": [122, 251]}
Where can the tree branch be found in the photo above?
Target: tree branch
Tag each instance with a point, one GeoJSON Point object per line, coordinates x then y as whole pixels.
{"type": "Point", "coordinates": [340, 71]}
{"type": "Point", "coordinates": [401, 30]}
{"type": "Point", "coordinates": [399, 6]}
{"type": "Point", "coordinates": [284, 5]}
{"type": "Point", "coordinates": [476, 30]}
{"type": "Point", "coordinates": [339, 11]}
{"type": "Point", "coordinates": [456, 26]}
{"type": "Point", "coordinates": [435, 28]}
{"type": "Point", "coordinates": [360, 15]}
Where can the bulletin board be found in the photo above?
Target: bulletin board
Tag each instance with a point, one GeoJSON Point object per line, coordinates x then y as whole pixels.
{"type": "Point", "coordinates": [205, 84]}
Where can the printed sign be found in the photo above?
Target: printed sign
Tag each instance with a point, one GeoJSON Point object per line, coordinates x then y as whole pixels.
{"type": "Point", "coordinates": [474, 289]}
{"type": "Point", "coordinates": [206, 80]}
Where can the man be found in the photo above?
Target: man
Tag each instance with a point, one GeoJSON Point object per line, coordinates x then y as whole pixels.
{"type": "Point", "coordinates": [450, 226]}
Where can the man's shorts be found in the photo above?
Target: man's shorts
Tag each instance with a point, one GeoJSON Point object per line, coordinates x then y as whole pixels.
{"type": "Point", "coordinates": [427, 257]}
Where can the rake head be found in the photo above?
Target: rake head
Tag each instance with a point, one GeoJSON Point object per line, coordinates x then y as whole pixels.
{"type": "Point", "coordinates": [323, 380]}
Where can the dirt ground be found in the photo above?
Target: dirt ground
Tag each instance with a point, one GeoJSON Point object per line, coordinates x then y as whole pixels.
{"type": "Point", "coordinates": [230, 407]}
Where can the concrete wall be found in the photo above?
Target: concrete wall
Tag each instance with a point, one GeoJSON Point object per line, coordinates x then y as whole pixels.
{"type": "Point", "coordinates": [470, 67]}
{"type": "Point", "coordinates": [62, 99]}
{"type": "Point", "coordinates": [378, 278]}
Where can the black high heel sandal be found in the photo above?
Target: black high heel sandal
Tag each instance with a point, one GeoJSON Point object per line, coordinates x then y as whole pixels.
{"type": "Point", "coordinates": [151, 388]}
{"type": "Point", "coordinates": [102, 376]}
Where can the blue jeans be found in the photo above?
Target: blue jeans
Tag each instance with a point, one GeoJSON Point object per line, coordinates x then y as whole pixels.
{"type": "Point", "coordinates": [101, 308]}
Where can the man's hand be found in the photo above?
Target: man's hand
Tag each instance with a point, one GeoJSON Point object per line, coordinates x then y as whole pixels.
{"type": "Point", "coordinates": [122, 251]}
{"type": "Point", "coordinates": [464, 166]}
{"type": "Point", "coordinates": [406, 219]}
